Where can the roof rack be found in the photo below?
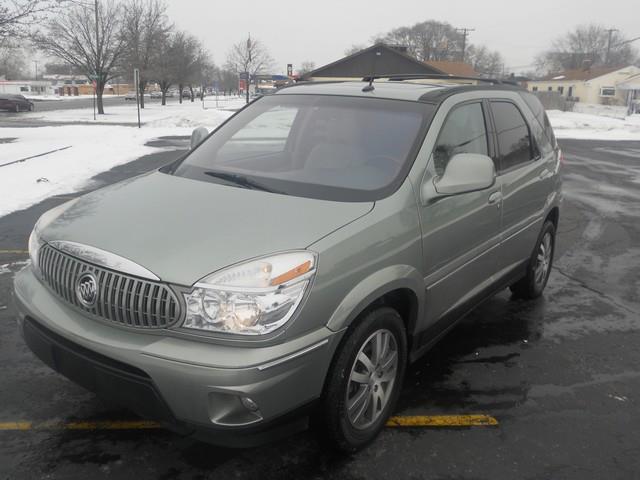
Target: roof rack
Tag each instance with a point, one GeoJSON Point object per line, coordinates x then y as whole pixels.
{"type": "Point", "coordinates": [436, 76]}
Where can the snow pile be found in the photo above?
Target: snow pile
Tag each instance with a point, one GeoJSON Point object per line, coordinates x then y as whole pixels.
{"type": "Point", "coordinates": [91, 150]}
{"type": "Point", "coordinates": [594, 127]}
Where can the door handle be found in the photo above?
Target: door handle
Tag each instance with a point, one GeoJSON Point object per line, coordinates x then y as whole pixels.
{"type": "Point", "coordinates": [495, 198]}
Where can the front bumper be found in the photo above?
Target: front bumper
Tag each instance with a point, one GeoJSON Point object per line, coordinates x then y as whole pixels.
{"type": "Point", "coordinates": [191, 386]}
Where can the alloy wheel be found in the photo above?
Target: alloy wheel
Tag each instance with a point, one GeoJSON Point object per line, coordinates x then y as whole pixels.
{"type": "Point", "coordinates": [543, 259]}
{"type": "Point", "coordinates": [372, 379]}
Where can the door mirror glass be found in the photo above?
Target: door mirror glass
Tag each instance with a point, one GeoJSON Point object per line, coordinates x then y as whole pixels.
{"type": "Point", "coordinates": [466, 172]}
{"type": "Point", "coordinates": [197, 136]}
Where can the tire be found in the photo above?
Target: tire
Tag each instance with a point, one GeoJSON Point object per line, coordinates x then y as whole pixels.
{"type": "Point", "coordinates": [348, 382]}
{"type": "Point", "coordinates": [532, 284]}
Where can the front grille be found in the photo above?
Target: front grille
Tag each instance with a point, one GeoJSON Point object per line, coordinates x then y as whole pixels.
{"type": "Point", "coordinates": [122, 299]}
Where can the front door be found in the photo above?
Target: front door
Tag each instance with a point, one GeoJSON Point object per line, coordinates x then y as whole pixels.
{"type": "Point", "coordinates": [461, 232]}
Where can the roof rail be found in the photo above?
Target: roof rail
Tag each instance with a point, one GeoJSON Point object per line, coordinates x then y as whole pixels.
{"type": "Point", "coordinates": [437, 76]}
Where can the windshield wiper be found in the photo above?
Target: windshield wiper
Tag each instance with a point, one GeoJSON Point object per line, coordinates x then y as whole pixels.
{"type": "Point", "coordinates": [240, 180]}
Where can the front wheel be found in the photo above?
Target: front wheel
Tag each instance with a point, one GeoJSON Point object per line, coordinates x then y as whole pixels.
{"type": "Point", "coordinates": [364, 381]}
{"type": "Point", "coordinates": [539, 267]}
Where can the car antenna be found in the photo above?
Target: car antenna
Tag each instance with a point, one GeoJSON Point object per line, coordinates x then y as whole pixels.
{"type": "Point", "coordinates": [370, 87]}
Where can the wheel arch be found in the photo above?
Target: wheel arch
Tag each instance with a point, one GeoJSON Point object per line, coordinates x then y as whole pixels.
{"type": "Point", "coordinates": [554, 216]}
{"type": "Point", "coordinates": [400, 287]}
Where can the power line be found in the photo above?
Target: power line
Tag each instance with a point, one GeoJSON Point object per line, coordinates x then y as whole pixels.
{"type": "Point", "coordinates": [465, 33]}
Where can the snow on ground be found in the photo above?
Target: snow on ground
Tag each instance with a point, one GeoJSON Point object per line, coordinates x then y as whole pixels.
{"type": "Point", "coordinates": [594, 127]}
{"type": "Point", "coordinates": [92, 149]}
{"type": "Point", "coordinates": [172, 114]}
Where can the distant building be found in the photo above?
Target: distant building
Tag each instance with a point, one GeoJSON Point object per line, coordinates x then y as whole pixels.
{"type": "Point", "coordinates": [383, 59]}
{"type": "Point", "coordinates": [26, 87]}
{"type": "Point", "coordinates": [75, 85]}
{"type": "Point", "coordinates": [597, 85]}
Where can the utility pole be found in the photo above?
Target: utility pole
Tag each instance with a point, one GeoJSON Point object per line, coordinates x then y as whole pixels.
{"type": "Point", "coordinates": [610, 31]}
{"type": "Point", "coordinates": [465, 33]}
{"type": "Point", "coordinates": [35, 62]}
{"type": "Point", "coordinates": [246, 83]}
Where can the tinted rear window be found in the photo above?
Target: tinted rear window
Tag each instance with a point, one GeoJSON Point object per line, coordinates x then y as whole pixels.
{"type": "Point", "coordinates": [514, 141]}
{"type": "Point", "coordinates": [538, 111]}
{"type": "Point", "coordinates": [329, 147]}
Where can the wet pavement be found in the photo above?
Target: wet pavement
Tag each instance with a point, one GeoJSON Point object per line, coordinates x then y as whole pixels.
{"type": "Point", "coordinates": [560, 374]}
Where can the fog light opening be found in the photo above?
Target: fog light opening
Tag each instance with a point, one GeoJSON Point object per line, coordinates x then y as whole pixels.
{"type": "Point", "coordinates": [249, 404]}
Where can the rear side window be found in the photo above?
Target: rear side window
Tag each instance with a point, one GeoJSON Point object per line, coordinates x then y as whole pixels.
{"type": "Point", "coordinates": [463, 132]}
{"type": "Point", "coordinates": [538, 111]}
{"type": "Point", "coordinates": [514, 140]}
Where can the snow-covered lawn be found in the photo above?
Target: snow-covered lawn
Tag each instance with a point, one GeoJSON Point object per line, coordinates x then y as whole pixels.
{"type": "Point", "coordinates": [154, 115]}
{"type": "Point", "coordinates": [594, 127]}
{"type": "Point", "coordinates": [92, 148]}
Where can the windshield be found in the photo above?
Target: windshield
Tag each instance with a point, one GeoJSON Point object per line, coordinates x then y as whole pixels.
{"type": "Point", "coordinates": [329, 147]}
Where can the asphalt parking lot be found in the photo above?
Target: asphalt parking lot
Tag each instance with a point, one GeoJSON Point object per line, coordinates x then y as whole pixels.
{"type": "Point", "coordinates": [560, 374]}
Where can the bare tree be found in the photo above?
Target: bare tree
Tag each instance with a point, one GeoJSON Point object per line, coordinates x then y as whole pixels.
{"type": "Point", "coordinates": [17, 16]}
{"type": "Point", "coordinates": [484, 61]}
{"type": "Point", "coordinates": [227, 80]}
{"type": "Point", "coordinates": [186, 48]}
{"type": "Point", "coordinates": [355, 48]}
{"type": "Point", "coordinates": [306, 67]}
{"type": "Point", "coordinates": [428, 40]}
{"type": "Point", "coordinates": [12, 63]}
{"type": "Point", "coordinates": [144, 27]}
{"type": "Point", "coordinates": [249, 57]}
{"type": "Point", "coordinates": [165, 70]}
{"type": "Point", "coordinates": [587, 45]}
{"type": "Point", "coordinates": [89, 38]}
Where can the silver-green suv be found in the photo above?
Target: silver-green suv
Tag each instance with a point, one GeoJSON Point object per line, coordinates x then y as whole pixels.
{"type": "Point", "coordinates": [293, 263]}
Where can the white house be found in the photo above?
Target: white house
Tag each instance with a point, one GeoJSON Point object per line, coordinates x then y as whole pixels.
{"type": "Point", "coordinates": [598, 85]}
{"type": "Point", "coordinates": [26, 87]}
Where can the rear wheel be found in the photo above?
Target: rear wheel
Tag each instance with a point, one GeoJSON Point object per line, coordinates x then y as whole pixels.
{"type": "Point", "coordinates": [364, 382]}
{"type": "Point", "coordinates": [539, 268]}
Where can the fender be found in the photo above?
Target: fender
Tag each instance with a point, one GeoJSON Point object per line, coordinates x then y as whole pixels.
{"type": "Point", "coordinates": [374, 286]}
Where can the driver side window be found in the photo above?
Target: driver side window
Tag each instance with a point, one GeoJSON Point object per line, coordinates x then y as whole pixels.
{"type": "Point", "coordinates": [463, 132]}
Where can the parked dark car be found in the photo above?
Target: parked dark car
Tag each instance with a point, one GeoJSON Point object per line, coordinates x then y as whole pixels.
{"type": "Point", "coordinates": [15, 103]}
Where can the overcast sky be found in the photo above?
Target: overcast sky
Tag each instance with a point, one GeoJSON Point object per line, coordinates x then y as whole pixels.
{"type": "Point", "coordinates": [320, 31]}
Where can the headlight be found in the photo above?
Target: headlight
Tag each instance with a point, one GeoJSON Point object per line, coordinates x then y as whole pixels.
{"type": "Point", "coordinates": [252, 298]}
{"type": "Point", "coordinates": [35, 242]}
{"type": "Point", "coordinates": [34, 248]}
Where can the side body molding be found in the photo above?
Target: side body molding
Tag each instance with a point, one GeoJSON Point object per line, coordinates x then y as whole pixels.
{"type": "Point", "coordinates": [373, 287]}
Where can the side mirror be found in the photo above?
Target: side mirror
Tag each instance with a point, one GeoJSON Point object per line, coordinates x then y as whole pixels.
{"type": "Point", "coordinates": [466, 172]}
{"type": "Point", "coordinates": [197, 136]}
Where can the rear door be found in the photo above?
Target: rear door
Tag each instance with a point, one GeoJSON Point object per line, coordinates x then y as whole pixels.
{"type": "Point", "coordinates": [461, 232]}
{"type": "Point", "coordinates": [525, 176]}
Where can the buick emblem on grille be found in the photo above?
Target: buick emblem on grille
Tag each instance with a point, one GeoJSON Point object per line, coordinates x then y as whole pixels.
{"type": "Point", "coordinates": [87, 289]}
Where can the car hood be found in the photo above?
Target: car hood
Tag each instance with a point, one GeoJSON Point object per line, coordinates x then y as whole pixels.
{"type": "Point", "coordinates": [182, 229]}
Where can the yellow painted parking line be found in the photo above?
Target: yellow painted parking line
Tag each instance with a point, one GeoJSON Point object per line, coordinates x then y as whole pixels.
{"type": "Point", "coordinates": [442, 421]}
{"type": "Point", "coordinates": [15, 425]}
{"type": "Point", "coordinates": [112, 425]}
{"type": "Point", "coordinates": [416, 421]}
{"type": "Point", "coordinates": [14, 251]}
